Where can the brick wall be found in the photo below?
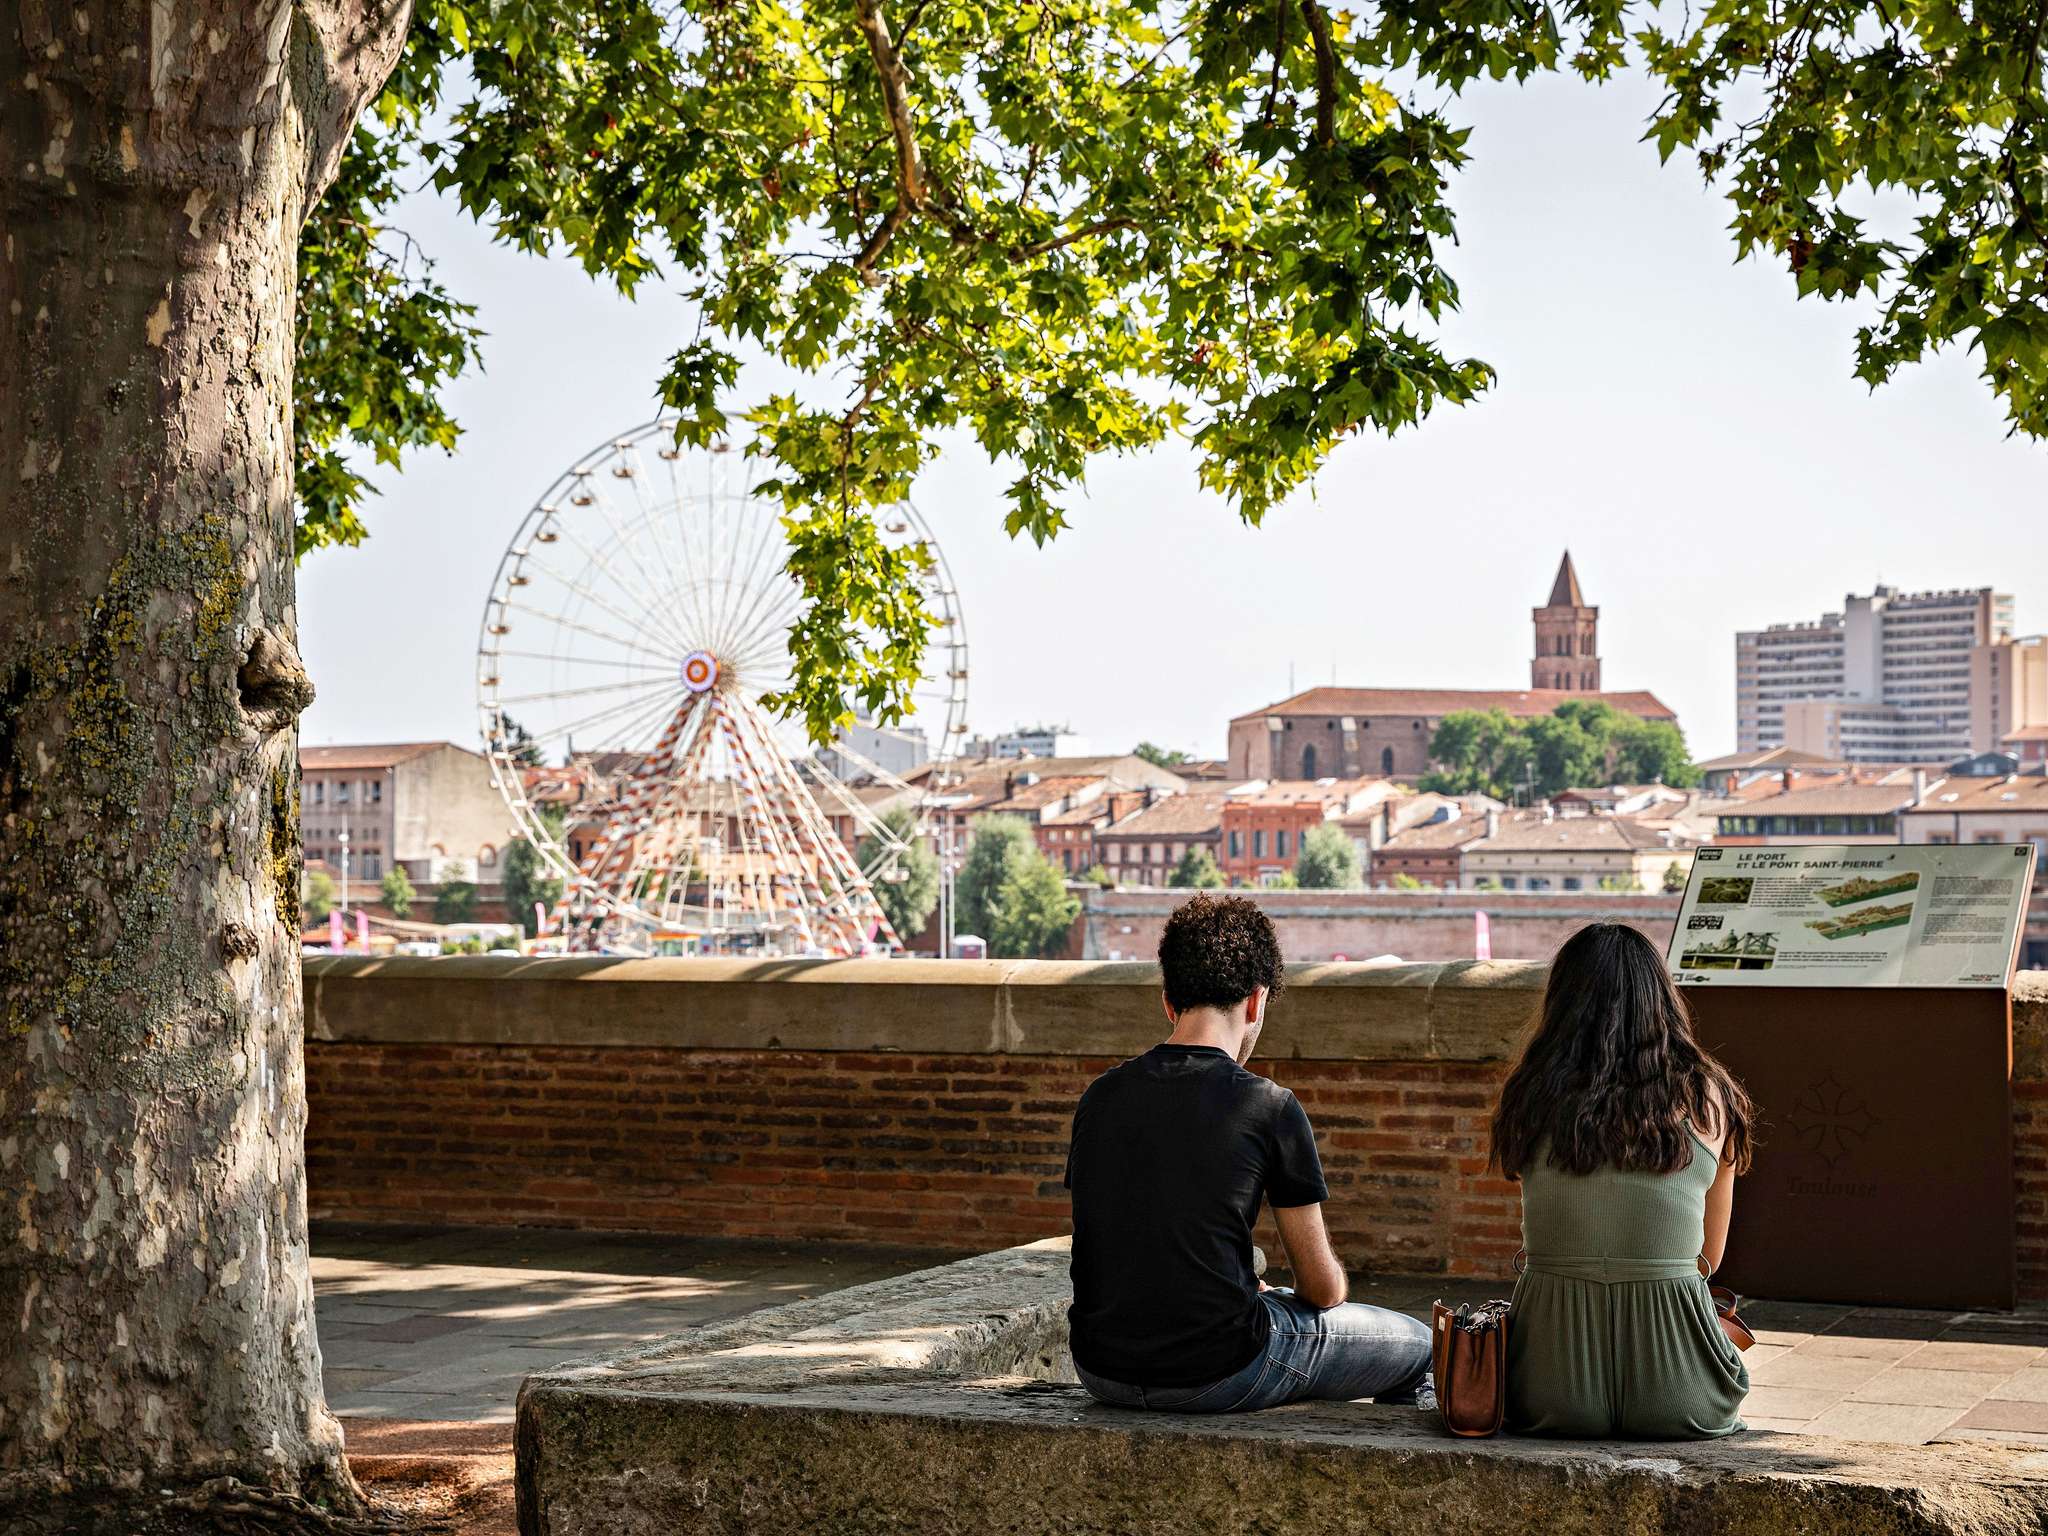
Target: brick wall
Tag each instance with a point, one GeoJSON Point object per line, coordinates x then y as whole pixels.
{"type": "Point", "coordinates": [949, 1152]}
{"type": "Point", "coordinates": [722, 1098]}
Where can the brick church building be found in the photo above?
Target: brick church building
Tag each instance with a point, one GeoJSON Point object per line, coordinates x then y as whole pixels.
{"type": "Point", "coordinates": [1386, 732]}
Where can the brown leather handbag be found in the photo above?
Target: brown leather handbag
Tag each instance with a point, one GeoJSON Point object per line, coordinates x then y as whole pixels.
{"type": "Point", "coordinates": [1725, 1304]}
{"type": "Point", "coordinates": [1469, 1356]}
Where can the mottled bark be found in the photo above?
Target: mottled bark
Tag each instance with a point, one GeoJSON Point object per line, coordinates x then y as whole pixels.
{"type": "Point", "coordinates": [156, 161]}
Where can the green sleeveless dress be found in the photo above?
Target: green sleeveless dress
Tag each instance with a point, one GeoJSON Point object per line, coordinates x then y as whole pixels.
{"type": "Point", "coordinates": [1613, 1333]}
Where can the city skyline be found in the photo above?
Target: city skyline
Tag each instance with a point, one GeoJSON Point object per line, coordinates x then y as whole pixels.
{"type": "Point", "coordinates": [1682, 425]}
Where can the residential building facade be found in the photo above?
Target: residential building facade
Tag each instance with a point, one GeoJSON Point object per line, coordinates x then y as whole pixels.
{"type": "Point", "coordinates": [1835, 813]}
{"type": "Point", "coordinates": [1536, 850]}
{"type": "Point", "coordinates": [1895, 677]}
{"type": "Point", "coordinates": [425, 806]}
{"type": "Point", "coordinates": [1143, 847]}
{"type": "Point", "coordinates": [1264, 823]}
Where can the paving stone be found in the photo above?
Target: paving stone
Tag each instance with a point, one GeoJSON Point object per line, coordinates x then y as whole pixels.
{"type": "Point", "coordinates": [1760, 1425]}
{"type": "Point", "coordinates": [416, 1328]}
{"type": "Point", "coordinates": [1907, 1384]}
{"type": "Point", "coordinates": [1859, 1346]}
{"type": "Point", "coordinates": [1953, 1355]}
{"type": "Point", "coordinates": [1894, 1323]}
{"type": "Point", "coordinates": [470, 1376]}
{"type": "Point", "coordinates": [1827, 1373]}
{"type": "Point", "coordinates": [2028, 1386]}
{"type": "Point", "coordinates": [343, 1382]}
{"type": "Point", "coordinates": [1898, 1423]}
{"type": "Point", "coordinates": [387, 1405]}
{"type": "Point", "coordinates": [2002, 1415]}
{"type": "Point", "coordinates": [1793, 1404]}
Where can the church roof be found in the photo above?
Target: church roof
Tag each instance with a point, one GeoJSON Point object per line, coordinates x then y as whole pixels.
{"type": "Point", "coordinates": [1564, 592]}
{"type": "Point", "coordinates": [1524, 703]}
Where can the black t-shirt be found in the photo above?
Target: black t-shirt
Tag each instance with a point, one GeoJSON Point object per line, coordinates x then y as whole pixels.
{"type": "Point", "coordinates": [1172, 1152]}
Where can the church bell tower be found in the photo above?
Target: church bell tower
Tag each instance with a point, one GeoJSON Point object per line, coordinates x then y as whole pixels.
{"type": "Point", "coordinates": [1567, 637]}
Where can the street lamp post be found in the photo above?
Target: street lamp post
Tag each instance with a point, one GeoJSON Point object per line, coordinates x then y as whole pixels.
{"type": "Point", "coordinates": [344, 861]}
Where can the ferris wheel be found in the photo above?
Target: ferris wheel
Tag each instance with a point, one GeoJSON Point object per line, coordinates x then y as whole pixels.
{"type": "Point", "coordinates": [636, 619]}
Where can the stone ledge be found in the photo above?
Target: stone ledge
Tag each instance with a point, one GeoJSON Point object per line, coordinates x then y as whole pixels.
{"type": "Point", "coordinates": [1469, 1011]}
{"type": "Point", "coordinates": [879, 1410]}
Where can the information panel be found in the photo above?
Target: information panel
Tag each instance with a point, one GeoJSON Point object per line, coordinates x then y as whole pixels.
{"type": "Point", "coordinates": [1831, 915]}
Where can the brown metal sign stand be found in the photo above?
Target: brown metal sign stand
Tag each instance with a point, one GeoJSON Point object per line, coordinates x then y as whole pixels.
{"type": "Point", "coordinates": [1883, 1173]}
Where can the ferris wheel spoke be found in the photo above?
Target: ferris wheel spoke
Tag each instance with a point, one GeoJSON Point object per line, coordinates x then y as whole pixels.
{"type": "Point", "coordinates": [585, 661]}
{"type": "Point", "coordinates": [658, 643]}
{"type": "Point", "coordinates": [635, 708]}
{"type": "Point", "coordinates": [560, 622]}
{"type": "Point", "coordinates": [637, 684]}
{"type": "Point", "coordinates": [647, 524]}
{"type": "Point", "coordinates": [768, 615]}
{"type": "Point", "coordinates": [767, 536]}
{"type": "Point", "coordinates": [648, 601]}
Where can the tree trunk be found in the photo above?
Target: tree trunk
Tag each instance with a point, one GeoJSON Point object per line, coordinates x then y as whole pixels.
{"type": "Point", "coordinates": [156, 162]}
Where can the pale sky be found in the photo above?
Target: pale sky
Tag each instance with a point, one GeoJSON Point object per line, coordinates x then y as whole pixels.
{"type": "Point", "coordinates": [1687, 429]}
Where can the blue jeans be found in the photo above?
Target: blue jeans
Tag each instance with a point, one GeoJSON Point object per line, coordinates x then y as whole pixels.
{"type": "Point", "coordinates": [1336, 1355]}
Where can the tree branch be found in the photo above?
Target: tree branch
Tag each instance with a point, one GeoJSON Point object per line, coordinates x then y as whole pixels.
{"type": "Point", "coordinates": [338, 56]}
{"type": "Point", "coordinates": [1059, 242]}
{"type": "Point", "coordinates": [1326, 72]}
{"type": "Point", "coordinates": [910, 184]}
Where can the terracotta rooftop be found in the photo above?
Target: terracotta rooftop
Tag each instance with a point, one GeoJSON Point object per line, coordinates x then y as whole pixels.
{"type": "Point", "coordinates": [1830, 800]}
{"type": "Point", "coordinates": [1435, 835]}
{"type": "Point", "coordinates": [1770, 757]}
{"type": "Point", "coordinates": [1968, 797]}
{"type": "Point", "coordinates": [377, 755]}
{"type": "Point", "coordinates": [1529, 831]}
{"type": "Point", "coordinates": [1194, 813]}
{"type": "Point", "coordinates": [1526, 703]}
{"type": "Point", "coordinates": [1337, 792]}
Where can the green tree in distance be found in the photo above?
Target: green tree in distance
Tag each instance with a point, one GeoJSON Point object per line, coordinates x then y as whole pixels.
{"type": "Point", "coordinates": [910, 901]}
{"type": "Point", "coordinates": [1098, 875]}
{"type": "Point", "coordinates": [1196, 870]}
{"type": "Point", "coordinates": [319, 897]}
{"type": "Point", "coordinates": [1069, 230]}
{"type": "Point", "coordinates": [997, 845]}
{"type": "Point", "coordinates": [455, 902]}
{"type": "Point", "coordinates": [1328, 859]}
{"type": "Point", "coordinates": [397, 892]}
{"type": "Point", "coordinates": [528, 882]}
{"type": "Point", "coordinates": [1674, 878]}
{"type": "Point", "coordinates": [1584, 742]}
{"type": "Point", "coordinates": [1034, 911]}
{"type": "Point", "coordinates": [1159, 757]}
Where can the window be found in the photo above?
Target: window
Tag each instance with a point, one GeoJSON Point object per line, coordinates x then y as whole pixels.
{"type": "Point", "coordinates": [341, 791]}
{"type": "Point", "coordinates": [1989, 837]}
{"type": "Point", "coordinates": [1539, 882]}
{"type": "Point", "coordinates": [1259, 843]}
{"type": "Point", "coordinates": [373, 866]}
{"type": "Point", "coordinates": [1941, 838]}
{"type": "Point", "coordinates": [1280, 844]}
{"type": "Point", "coordinates": [376, 789]}
{"type": "Point", "coordinates": [1236, 843]}
{"type": "Point", "coordinates": [1308, 762]}
{"type": "Point", "coordinates": [486, 856]}
{"type": "Point", "coordinates": [319, 791]}
{"type": "Point", "coordinates": [1386, 759]}
{"type": "Point", "coordinates": [1571, 883]}
{"type": "Point", "coordinates": [1507, 882]}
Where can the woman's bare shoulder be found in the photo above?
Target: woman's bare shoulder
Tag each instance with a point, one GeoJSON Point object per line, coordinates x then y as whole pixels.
{"type": "Point", "coordinates": [1712, 1126]}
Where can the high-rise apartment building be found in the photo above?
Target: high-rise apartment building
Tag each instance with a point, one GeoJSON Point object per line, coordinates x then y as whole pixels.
{"type": "Point", "coordinates": [1895, 677]}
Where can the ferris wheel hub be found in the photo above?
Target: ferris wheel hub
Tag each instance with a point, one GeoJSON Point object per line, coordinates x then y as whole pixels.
{"type": "Point", "coordinates": [701, 671]}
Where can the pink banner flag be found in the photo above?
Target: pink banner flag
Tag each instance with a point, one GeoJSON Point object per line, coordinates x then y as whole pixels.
{"type": "Point", "coordinates": [1482, 937]}
{"type": "Point", "coordinates": [335, 940]}
{"type": "Point", "coordinates": [540, 919]}
{"type": "Point", "coordinates": [362, 928]}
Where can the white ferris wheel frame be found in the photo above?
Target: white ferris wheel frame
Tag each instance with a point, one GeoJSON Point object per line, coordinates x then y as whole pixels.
{"type": "Point", "coordinates": [753, 640]}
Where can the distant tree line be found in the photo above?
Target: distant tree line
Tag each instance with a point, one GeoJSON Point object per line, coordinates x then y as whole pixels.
{"type": "Point", "coordinates": [1584, 742]}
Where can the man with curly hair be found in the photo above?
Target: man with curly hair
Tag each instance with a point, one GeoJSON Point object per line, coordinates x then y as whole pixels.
{"type": "Point", "coordinates": [1172, 1153]}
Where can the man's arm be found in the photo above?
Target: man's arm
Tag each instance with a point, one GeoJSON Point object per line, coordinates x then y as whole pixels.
{"type": "Point", "coordinates": [1319, 1279]}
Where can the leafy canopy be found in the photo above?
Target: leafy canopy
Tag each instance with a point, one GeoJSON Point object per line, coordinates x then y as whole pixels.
{"type": "Point", "coordinates": [1328, 861]}
{"type": "Point", "coordinates": [909, 899]}
{"type": "Point", "coordinates": [1196, 870]}
{"type": "Point", "coordinates": [1585, 742]}
{"type": "Point", "coordinates": [1076, 227]}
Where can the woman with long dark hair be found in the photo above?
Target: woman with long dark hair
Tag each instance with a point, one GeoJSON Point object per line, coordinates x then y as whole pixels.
{"type": "Point", "coordinates": [1626, 1137]}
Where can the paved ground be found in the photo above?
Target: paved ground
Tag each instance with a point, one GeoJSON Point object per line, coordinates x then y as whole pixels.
{"type": "Point", "coordinates": [441, 1324]}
